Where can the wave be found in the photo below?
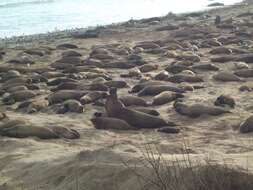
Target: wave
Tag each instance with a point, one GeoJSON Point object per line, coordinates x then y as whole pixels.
{"type": "Point", "coordinates": [24, 3]}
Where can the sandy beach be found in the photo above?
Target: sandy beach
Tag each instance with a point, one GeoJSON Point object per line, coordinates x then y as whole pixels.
{"type": "Point", "coordinates": [168, 50]}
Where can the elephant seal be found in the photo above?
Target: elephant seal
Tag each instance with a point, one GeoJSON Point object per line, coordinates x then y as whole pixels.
{"type": "Point", "coordinates": [226, 77]}
{"type": "Point", "coordinates": [64, 132]}
{"type": "Point", "coordinates": [197, 110]}
{"type": "Point", "coordinates": [154, 90]}
{"type": "Point", "coordinates": [179, 78]}
{"type": "Point", "coordinates": [16, 88]}
{"type": "Point", "coordinates": [71, 53]}
{"type": "Point", "coordinates": [66, 46]}
{"type": "Point", "coordinates": [71, 106]}
{"type": "Point", "coordinates": [225, 100]}
{"type": "Point", "coordinates": [241, 65]}
{"type": "Point", "coordinates": [146, 110]}
{"type": "Point", "coordinates": [166, 97]}
{"type": "Point", "coordinates": [148, 67]}
{"type": "Point", "coordinates": [133, 101]}
{"type": "Point", "coordinates": [60, 80]}
{"type": "Point", "coordinates": [244, 73]}
{"type": "Point", "coordinates": [101, 122]}
{"type": "Point", "coordinates": [23, 129]}
{"type": "Point", "coordinates": [19, 96]}
{"type": "Point", "coordinates": [33, 106]}
{"type": "Point", "coordinates": [116, 84]}
{"type": "Point", "coordinates": [163, 75]}
{"type": "Point", "coordinates": [143, 84]}
{"type": "Point", "coordinates": [63, 95]}
{"type": "Point", "coordinates": [116, 108]}
{"type": "Point", "coordinates": [92, 97]}
{"type": "Point", "coordinates": [247, 125]}
{"type": "Point", "coordinates": [206, 67]}
{"type": "Point", "coordinates": [170, 130]}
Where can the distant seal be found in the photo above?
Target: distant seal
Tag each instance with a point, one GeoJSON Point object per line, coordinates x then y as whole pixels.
{"type": "Point", "coordinates": [166, 97]}
{"type": "Point", "coordinates": [22, 129]}
{"type": "Point", "coordinates": [226, 77]}
{"type": "Point", "coordinates": [142, 85]}
{"type": "Point", "coordinates": [60, 80]}
{"type": "Point", "coordinates": [197, 110]}
{"type": "Point", "coordinates": [101, 122]}
{"type": "Point", "coordinates": [247, 125]}
{"type": "Point", "coordinates": [244, 73]}
{"type": "Point", "coordinates": [147, 110]}
{"type": "Point", "coordinates": [73, 106]}
{"type": "Point", "coordinates": [115, 108]}
{"type": "Point", "coordinates": [133, 101]}
{"type": "Point", "coordinates": [170, 130]}
{"type": "Point", "coordinates": [207, 67]}
{"type": "Point", "coordinates": [179, 78]}
{"type": "Point", "coordinates": [148, 67]}
{"type": "Point", "coordinates": [241, 65]}
{"type": "Point", "coordinates": [163, 75]}
{"type": "Point", "coordinates": [154, 90]}
{"type": "Point", "coordinates": [19, 96]}
{"type": "Point", "coordinates": [71, 53]}
{"type": "Point", "coordinates": [63, 95]}
{"type": "Point", "coordinates": [116, 84]}
{"type": "Point", "coordinates": [92, 97]}
{"type": "Point", "coordinates": [225, 100]}
{"type": "Point", "coordinates": [66, 46]}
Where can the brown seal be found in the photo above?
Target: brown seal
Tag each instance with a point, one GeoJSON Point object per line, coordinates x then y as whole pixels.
{"type": "Point", "coordinates": [247, 125]}
{"type": "Point", "coordinates": [153, 90]}
{"type": "Point", "coordinates": [166, 97]}
{"type": "Point", "coordinates": [101, 122]}
{"type": "Point", "coordinates": [133, 101]}
{"type": "Point", "coordinates": [116, 108]}
{"type": "Point", "coordinates": [197, 110]}
{"type": "Point", "coordinates": [225, 100]}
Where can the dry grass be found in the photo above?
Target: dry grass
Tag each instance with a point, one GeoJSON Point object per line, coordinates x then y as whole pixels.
{"type": "Point", "coordinates": [185, 174]}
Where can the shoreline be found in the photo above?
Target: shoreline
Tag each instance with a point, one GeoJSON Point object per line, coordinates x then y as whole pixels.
{"type": "Point", "coordinates": [68, 32]}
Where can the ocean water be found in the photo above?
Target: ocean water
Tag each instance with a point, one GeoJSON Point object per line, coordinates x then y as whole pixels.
{"type": "Point", "coordinates": [24, 17]}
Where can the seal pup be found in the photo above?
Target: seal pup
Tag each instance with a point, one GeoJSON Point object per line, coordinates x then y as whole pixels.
{"type": "Point", "coordinates": [197, 110]}
{"type": "Point", "coordinates": [102, 122]}
{"type": "Point", "coordinates": [116, 108]}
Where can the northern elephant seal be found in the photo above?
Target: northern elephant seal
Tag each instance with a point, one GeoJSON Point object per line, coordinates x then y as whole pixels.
{"type": "Point", "coordinates": [153, 90]}
{"type": "Point", "coordinates": [226, 77]}
{"type": "Point", "coordinates": [116, 108]}
{"type": "Point", "coordinates": [197, 110]}
{"type": "Point", "coordinates": [225, 100]}
{"type": "Point", "coordinates": [166, 97]}
{"type": "Point", "coordinates": [133, 101]}
{"type": "Point", "coordinates": [101, 122]}
{"type": "Point", "coordinates": [63, 95]}
{"type": "Point", "coordinates": [247, 125]}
